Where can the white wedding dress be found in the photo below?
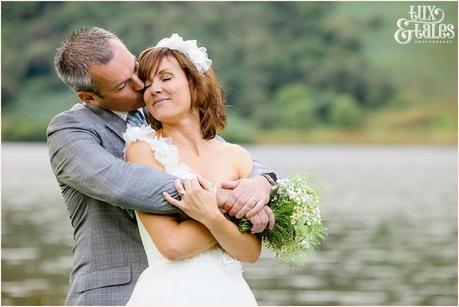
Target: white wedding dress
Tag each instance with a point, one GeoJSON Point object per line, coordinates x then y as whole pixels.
{"type": "Point", "coordinates": [210, 278]}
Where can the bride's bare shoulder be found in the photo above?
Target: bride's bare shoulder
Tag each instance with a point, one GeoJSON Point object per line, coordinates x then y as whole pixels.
{"type": "Point", "coordinates": [238, 156]}
{"type": "Point", "coordinates": [141, 153]}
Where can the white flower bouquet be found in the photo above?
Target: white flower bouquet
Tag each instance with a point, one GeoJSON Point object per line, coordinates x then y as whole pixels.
{"type": "Point", "coordinates": [299, 229]}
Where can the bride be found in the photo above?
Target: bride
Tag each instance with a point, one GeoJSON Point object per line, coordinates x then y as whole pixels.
{"type": "Point", "coordinates": [193, 261]}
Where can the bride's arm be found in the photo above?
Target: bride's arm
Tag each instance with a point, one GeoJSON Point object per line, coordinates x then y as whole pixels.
{"type": "Point", "coordinates": [201, 205]}
{"type": "Point", "coordinates": [175, 240]}
{"type": "Point", "coordinates": [243, 246]}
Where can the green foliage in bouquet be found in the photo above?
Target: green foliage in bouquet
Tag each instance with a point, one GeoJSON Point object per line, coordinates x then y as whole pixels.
{"type": "Point", "coordinates": [299, 229]}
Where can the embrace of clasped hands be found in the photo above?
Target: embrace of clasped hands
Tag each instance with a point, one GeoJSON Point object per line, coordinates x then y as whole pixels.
{"type": "Point", "coordinates": [236, 198]}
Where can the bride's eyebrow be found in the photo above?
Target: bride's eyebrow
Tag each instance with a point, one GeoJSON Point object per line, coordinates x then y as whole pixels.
{"type": "Point", "coordinates": [164, 71]}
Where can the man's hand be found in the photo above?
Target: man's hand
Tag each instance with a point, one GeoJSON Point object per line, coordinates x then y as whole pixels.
{"type": "Point", "coordinates": [263, 218]}
{"type": "Point", "coordinates": [248, 196]}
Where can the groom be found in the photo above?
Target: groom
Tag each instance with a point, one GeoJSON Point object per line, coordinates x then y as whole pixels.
{"type": "Point", "coordinates": [100, 189]}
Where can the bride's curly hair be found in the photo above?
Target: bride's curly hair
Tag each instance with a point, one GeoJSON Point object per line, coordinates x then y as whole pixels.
{"type": "Point", "coordinates": [206, 92]}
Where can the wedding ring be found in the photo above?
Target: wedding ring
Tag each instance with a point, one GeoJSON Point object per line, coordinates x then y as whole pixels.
{"type": "Point", "coordinates": [253, 198]}
{"type": "Point", "coordinates": [213, 187]}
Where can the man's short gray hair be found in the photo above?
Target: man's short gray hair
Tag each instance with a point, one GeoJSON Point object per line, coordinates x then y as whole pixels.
{"type": "Point", "coordinates": [82, 48]}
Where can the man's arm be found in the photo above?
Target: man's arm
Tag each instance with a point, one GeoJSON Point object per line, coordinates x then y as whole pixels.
{"type": "Point", "coordinates": [259, 169]}
{"type": "Point", "coordinates": [79, 161]}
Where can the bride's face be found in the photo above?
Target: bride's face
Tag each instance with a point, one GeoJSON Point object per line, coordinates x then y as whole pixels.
{"type": "Point", "coordinates": [167, 94]}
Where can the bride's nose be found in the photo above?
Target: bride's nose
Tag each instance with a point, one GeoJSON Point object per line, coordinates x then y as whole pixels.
{"type": "Point", "coordinates": [156, 87]}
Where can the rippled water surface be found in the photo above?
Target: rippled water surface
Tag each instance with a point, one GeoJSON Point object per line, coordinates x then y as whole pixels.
{"type": "Point", "coordinates": [391, 214]}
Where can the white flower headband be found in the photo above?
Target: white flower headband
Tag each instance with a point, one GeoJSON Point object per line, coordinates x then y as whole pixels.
{"type": "Point", "coordinates": [197, 55]}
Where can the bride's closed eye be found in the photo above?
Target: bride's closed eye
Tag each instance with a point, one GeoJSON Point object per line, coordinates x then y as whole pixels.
{"type": "Point", "coordinates": [146, 86]}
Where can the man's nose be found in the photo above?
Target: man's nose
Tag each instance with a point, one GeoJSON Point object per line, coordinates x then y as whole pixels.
{"type": "Point", "coordinates": [138, 84]}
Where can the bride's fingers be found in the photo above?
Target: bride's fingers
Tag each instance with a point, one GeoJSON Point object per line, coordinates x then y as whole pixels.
{"type": "Point", "coordinates": [195, 184]}
{"type": "Point", "coordinates": [207, 185]}
{"type": "Point", "coordinates": [179, 187]}
{"type": "Point", "coordinates": [172, 200]}
{"type": "Point", "coordinates": [187, 184]}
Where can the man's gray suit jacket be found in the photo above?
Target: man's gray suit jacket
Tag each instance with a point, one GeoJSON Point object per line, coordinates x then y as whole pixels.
{"type": "Point", "coordinates": [101, 191]}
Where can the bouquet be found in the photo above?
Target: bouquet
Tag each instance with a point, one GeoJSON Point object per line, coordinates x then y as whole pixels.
{"type": "Point", "coordinates": [299, 229]}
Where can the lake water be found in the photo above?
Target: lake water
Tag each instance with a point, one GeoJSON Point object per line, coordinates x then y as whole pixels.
{"type": "Point", "coordinates": [391, 214]}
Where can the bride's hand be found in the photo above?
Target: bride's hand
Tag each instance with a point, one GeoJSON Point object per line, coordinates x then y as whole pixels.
{"type": "Point", "coordinates": [198, 199]}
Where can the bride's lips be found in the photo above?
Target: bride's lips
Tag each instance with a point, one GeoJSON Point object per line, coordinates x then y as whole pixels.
{"type": "Point", "coordinates": [158, 100]}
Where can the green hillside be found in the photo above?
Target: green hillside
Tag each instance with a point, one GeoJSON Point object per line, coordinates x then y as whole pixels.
{"type": "Point", "coordinates": [292, 72]}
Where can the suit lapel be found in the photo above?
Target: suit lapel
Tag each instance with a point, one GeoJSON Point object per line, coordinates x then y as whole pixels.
{"type": "Point", "coordinates": [118, 126]}
{"type": "Point", "coordinates": [112, 121]}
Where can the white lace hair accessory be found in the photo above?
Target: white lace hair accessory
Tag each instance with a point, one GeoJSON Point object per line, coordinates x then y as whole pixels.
{"type": "Point", "coordinates": [197, 55]}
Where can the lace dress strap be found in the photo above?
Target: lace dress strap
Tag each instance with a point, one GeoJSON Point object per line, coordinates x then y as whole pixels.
{"type": "Point", "coordinates": [164, 150]}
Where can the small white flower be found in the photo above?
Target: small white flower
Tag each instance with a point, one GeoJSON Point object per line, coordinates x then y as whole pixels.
{"type": "Point", "coordinates": [304, 242]}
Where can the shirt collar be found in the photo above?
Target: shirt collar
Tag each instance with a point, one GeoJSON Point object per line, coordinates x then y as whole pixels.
{"type": "Point", "coordinates": [124, 115]}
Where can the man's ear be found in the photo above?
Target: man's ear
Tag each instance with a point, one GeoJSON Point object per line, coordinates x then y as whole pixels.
{"type": "Point", "coordinates": [88, 97]}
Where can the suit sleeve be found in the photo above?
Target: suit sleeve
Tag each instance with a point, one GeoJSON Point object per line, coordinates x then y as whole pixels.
{"type": "Point", "coordinates": [80, 161]}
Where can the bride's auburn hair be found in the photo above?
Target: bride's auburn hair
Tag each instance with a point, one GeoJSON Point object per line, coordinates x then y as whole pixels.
{"type": "Point", "coordinates": [206, 92]}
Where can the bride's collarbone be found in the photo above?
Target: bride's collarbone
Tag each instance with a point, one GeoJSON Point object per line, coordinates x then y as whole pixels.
{"type": "Point", "coordinates": [213, 162]}
{"type": "Point", "coordinates": [204, 155]}
{"type": "Point", "coordinates": [214, 169]}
